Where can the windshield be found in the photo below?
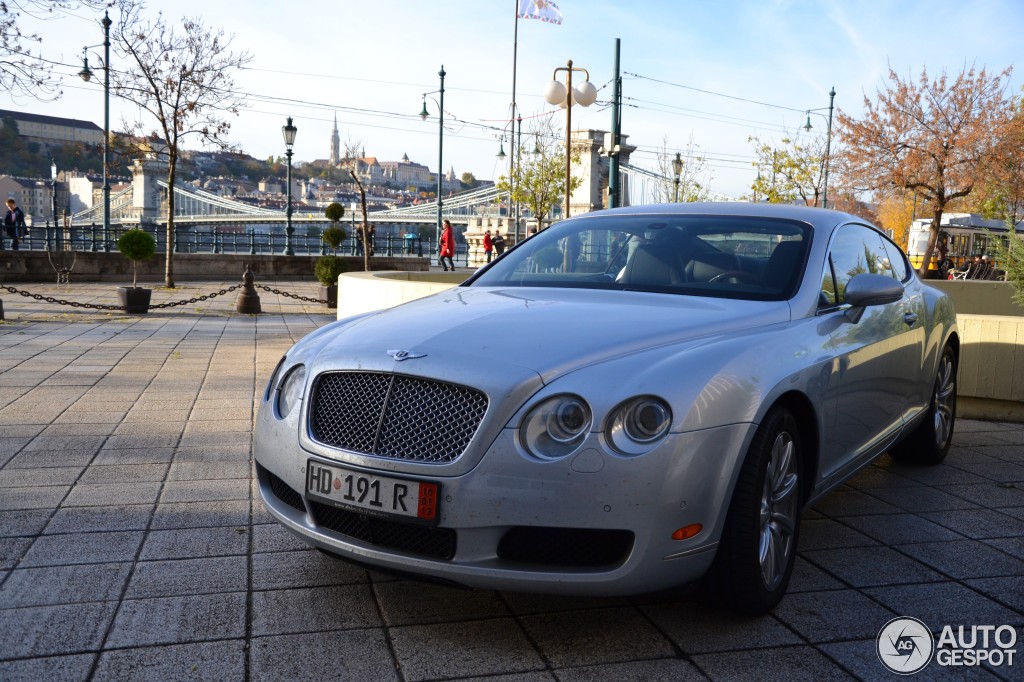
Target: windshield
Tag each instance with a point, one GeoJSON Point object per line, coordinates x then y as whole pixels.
{"type": "Point", "coordinates": [695, 255]}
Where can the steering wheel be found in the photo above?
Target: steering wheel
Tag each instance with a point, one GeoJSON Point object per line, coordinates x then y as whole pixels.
{"type": "Point", "coordinates": [737, 275]}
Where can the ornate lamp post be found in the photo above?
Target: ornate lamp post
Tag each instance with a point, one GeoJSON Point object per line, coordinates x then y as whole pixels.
{"type": "Point", "coordinates": [828, 140]}
{"type": "Point", "coordinates": [424, 114]}
{"type": "Point", "coordinates": [57, 235]}
{"type": "Point", "coordinates": [86, 74]}
{"type": "Point", "coordinates": [566, 96]}
{"type": "Point", "coordinates": [677, 168]}
{"type": "Point", "coordinates": [288, 131]}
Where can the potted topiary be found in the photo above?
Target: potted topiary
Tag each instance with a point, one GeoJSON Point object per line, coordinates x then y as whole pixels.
{"type": "Point", "coordinates": [135, 245]}
{"type": "Point", "coordinates": [327, 270]}
{"type": "Point", "coordinates": [329, 267]}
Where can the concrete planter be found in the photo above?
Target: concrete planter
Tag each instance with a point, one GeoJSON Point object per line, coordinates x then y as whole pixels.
{"type": "Point", "coordinates": [134, 299]}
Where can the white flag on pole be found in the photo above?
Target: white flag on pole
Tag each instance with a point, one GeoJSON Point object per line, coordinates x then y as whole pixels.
{"type": "Point", "coordinates": [545, 10]}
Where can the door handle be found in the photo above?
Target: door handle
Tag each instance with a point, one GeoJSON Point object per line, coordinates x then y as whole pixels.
{"type": "Point", "coordinates": [910, 318]}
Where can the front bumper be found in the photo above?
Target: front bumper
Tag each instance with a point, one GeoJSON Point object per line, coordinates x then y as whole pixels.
{"type": "Point", "coordinates": [622, 511]}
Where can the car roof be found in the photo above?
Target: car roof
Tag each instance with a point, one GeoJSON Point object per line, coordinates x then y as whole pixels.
{"type": "Point", "coordinates": [817, 217]}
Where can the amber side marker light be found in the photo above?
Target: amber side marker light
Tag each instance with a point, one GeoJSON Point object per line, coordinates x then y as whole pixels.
{"type": "Point", "coordinates": [687, 532]}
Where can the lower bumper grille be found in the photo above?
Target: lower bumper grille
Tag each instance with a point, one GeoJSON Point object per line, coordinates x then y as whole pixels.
{"type": "Point", "coordinates": [566, 546]}
{"type": "Point", "coordinates": [437, 543]}
{"type": "Point", "coordinates": [283, 491]}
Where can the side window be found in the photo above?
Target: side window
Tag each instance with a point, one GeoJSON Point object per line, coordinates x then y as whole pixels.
{"type": "Point", "coordinates": [856, 249]}
{"type": "Point", "coordinates": [900, 267]}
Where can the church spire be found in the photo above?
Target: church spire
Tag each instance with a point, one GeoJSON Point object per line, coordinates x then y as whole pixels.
{"type": "Point", "coordinates": [335, 143]}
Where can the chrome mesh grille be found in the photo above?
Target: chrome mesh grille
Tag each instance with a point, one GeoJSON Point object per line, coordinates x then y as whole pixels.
{"type": "Point", "coordinates": [395, 416]}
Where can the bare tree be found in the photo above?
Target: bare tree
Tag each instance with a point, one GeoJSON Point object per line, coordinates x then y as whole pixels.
{"type": "Point", "coordinates": [934, 137]}
{"type": "Point", "coordinates": [364, 230]}
{"type": "Point", "coordinates": [180, 76]}
{"type": "Point", "coordinates": [792, 169]}
{"type": "Point", "coordinates": [694, 176]}
{"type": "Point", "coordinates": [23, 73]}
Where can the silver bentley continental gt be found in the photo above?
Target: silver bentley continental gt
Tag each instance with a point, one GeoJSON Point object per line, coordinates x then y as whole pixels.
{"type": "Point", "coordinates": [630, 400]}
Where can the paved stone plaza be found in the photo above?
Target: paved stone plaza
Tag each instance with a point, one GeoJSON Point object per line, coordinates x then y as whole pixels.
{"type": "Point", "coordinates": [133, 544]}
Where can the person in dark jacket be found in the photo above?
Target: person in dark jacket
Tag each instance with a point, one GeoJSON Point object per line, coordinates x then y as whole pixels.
{"type": "Point", "coordinates": [14, 223]}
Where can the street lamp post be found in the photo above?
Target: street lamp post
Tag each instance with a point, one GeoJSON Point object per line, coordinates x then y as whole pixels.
{"type": "Point", "coordinates": [57, 236]}
{"type": "Point", "coordinates": [828, 140]}
{"type": "Point", "coordinates": [566, 96]}
{"type": "Point", "coordinates": [424, 114]}
{"type": "Point", "coordinates": [288, 131]}
{"type": "Point", "coordinates": [86, 74]}
{"type": "Point", "coordinates": [677, 168]}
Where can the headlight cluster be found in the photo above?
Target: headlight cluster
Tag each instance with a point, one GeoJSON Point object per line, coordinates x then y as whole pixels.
{"type": "Point", "coordinates": [638, 423]}
{"type": "Point", "coordinates": [558, 426]}
{"type": "Point", "coordinates": [289, 393]}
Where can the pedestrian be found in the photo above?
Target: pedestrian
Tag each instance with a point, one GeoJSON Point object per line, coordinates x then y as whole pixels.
{"type": "Point", "coordinates": [447, 247]}
{"type": "Point", "coordinates": [14, 224]}
{"type": "Point", "coordinates": [371, 237]}
{"type": "Point", "coordinates": [499, 243]}
{"type": "Point", "coordinates": [488, 245]}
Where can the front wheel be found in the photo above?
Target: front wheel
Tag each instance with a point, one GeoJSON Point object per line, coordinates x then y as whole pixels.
{"type": "Point", "coordinates": [929, 442]}
{"type": "Point", "coordinates": [758, 547]}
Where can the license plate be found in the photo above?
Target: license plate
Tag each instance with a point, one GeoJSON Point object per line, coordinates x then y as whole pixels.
{"type": "Point", "coordinates": [373, 493]}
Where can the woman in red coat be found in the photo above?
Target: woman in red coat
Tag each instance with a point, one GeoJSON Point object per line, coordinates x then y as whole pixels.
{"type": "Point", "coordinates": [488, 245]}
{"type": "Point", "coordinates": [447, 247]}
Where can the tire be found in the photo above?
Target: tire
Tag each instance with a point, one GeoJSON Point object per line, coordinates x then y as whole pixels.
{"type": "Point", "coordinates": [758, 546]}
{"type": "Point", "coordinates": [929, 442]}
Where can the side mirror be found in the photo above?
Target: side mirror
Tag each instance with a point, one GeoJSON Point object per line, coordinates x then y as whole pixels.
{"type": "Point", "coordinates": [867, 290]}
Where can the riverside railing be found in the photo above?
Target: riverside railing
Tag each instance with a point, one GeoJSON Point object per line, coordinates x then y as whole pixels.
{"type": "Point", "coordinates": [214, 240]}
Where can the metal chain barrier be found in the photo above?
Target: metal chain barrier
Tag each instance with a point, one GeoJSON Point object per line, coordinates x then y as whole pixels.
{"type": "Point", "coordinates": [170, 304]}
{"type": "Point", "coordinates": [73, 304]}
{"type": "Point", "coordinates": [287, 295]}
{"type": "Point", "coordinates": [197, 299]}
{"type": "Point", "coordinates": [96, 306]}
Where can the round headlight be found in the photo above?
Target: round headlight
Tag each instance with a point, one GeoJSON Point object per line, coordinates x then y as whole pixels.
{"type": "Point", "coordinates": [556, 427]}
{"type": "Point", "coordinates": [290, 393]}
{"type": "Point", "coordinates": [638, 423]}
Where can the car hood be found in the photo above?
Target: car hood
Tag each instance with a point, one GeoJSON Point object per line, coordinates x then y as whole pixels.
{"type": "Point", "coordinates": [543, 332]}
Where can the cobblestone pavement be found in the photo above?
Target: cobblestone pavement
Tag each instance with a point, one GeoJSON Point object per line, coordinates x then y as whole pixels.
{"type": "Point", "coordinates": [133, 544]}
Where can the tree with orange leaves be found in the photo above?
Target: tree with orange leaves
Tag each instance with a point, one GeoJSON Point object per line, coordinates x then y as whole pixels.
{"type": "Point", "coordinates": [1002, 194]}
{"type": "Point", "coordinates": [934, 137]}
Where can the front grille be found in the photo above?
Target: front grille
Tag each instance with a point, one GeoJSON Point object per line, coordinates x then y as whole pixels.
{"type": "Point", "coordinates": [395, 416]}
{"type": "Point", "coordinates": [566, 546]}
{"type": "Point", "coordinates": [283, 491]}
{"type": "Point", "coordinates": [437, 543]}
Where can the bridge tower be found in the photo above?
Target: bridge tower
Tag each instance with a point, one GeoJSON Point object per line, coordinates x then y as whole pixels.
{"type": "Point", "coordinates": [592, 147]}
{"type": "Point", "coordinates": [147, 197]}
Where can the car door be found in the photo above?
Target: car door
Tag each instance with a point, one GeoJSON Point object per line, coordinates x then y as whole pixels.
{"type": "Point", "coordinates": [875, 361]}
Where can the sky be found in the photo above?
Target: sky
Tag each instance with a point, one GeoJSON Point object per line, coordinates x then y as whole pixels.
{"type": "Point", "coordinates": [708, 73]}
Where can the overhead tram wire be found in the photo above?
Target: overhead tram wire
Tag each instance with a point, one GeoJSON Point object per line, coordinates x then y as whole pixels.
{"type": "Point", "coordinates": [716, 94]}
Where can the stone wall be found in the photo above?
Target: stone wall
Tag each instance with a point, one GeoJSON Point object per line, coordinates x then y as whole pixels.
{"type": "Point", "coordinates": [87, 266]}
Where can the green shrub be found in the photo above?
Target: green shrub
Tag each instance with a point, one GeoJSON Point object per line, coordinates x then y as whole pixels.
{"type": "Point", "coordinates": [328, 268]}
{"type": "Point", "coordinates": [333, 237]}
{"type": "Point", "coordinates": [136, 245]}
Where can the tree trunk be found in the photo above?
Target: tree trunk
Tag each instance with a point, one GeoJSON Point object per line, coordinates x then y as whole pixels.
{"type": "Point", "coordinates": [172, 171]}
{"type": "Point", "coordinates": [933, 237]}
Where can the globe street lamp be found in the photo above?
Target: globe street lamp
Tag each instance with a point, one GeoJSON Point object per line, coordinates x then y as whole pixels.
{"type": "Point", "coordinates": [86, 74]}
{"type": "Point", "coordinates": [565, 96]}
{"type": "Point", "coordinates": [289, 130]}
{"type": "Point", "coordinates": [424, 114]}
{"type": "Point", "coordinates": [677, 168]}
{"type": "Point", "coordinates": [828, 140]}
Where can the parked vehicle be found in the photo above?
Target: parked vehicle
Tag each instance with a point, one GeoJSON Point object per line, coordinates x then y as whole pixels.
{"type": "Point", "coordinates": [630, 400]}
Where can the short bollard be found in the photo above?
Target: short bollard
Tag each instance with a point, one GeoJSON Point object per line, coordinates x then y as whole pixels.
{"type": "Point", "coordinates": [248, 300]}
{"type": "Point", "coordinates": [1, 308]}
